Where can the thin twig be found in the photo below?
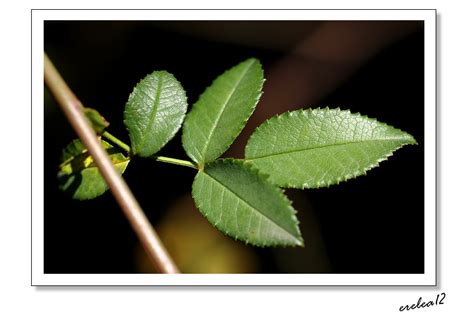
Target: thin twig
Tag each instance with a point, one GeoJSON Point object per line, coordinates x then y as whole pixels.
{"type": "Point", "coordinates": [126, 148]}
{"type": "Point", "coordinates": [116, 141]}
{"type": "Point", "coordinates": [73, 110]}
{"type": "Point", "coordinates": [175, 161]}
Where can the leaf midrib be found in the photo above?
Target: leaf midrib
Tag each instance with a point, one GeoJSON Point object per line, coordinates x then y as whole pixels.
{"type": "Point", "coordinates": [251, 206]}
{"type": "Point", "coordinates": [214, 125]}
{"type": "Point", "coordinates": [152, 116]}
{"type": "Point", "coordinates": [329, 145]}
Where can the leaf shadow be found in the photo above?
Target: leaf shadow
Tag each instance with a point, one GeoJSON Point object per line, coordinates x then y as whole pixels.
{"type": "Point", "coordinates": [69, 182]}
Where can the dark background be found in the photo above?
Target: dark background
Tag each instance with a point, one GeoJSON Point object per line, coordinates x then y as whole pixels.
{"type": "Point", "coordinates": [372, 224]}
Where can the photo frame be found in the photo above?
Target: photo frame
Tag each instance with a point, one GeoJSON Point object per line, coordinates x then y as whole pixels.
{"type": "Point", "coordinates": [40, 224]}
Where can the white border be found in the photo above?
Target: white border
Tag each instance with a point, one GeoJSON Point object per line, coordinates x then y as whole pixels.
{"type": "Point", "coordinates": [39, 278]}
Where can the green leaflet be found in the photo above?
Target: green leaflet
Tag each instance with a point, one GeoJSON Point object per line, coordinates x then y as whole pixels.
{"type": "Point", "coordinates": [154, 112]}
{"type": "Point", "coordinates": [221, 112]}
{"type": "Point", "coordinates": [78, 174]}
{"type": "Point", "coordinates": [300, 149]}
{"type": "Point", "coordinates": [243, 204]}
{"type": "Point", "coordinates": [97, 121]}
{"type": "Point", "coordinates": [318, 148]}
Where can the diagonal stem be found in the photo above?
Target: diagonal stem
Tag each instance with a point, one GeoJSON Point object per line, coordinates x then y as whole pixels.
{"type": "Point", "coordinates": [74, 112]}
{"type": "Point", "coordinates": [116, 141]}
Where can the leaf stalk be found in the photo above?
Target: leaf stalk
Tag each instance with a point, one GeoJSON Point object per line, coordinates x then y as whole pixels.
{"type": "Point", "coordinates": [116, 141]}
{"type": "Point", "coordinates": [175, 161]}
{"type": "Point", "coordinates": [169, 160]}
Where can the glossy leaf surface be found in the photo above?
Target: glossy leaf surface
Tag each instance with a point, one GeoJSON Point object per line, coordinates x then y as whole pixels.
{"type": "Point", "coordinates": [221, 112]}
{"type": "Point", "coordinates": [321, 147]}
{"type": "Point", "coordinates": [154, 112]}
{"type": "Point", "coordinates": [243, 204]}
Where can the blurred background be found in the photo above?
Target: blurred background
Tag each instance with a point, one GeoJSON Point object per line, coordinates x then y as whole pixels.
{"type": "Point", "coordinates": [372, 224]}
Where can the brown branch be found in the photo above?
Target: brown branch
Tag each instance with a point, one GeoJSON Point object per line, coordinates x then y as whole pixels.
{"type": "Point", "coordinates": [73, 110]}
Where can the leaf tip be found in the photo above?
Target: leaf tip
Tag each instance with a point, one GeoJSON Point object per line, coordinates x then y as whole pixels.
{"type": "Point", "coordinates": [299, 242]}
{"type": "Point", "coordinates": [411, 140]}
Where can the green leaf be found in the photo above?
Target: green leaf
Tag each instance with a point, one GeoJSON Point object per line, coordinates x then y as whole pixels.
{"type": "Point", "coordinates": [318, 148]}
{"type": "Point", "coordinates": [154, 112]}
{"type": "Point", "coordinates": [221, 112]}
{"type": "Point", "coordinates": [242, 203]}
{"type": "Point", "coordinates": [97, 121]}
{"type": "Point", "coordinates": [79, 176]}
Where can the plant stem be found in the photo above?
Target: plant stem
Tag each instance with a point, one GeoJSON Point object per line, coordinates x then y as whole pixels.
{"type": "Point", "coordinates": [175, 161]}
{"type": "Point", "coordinates": [116, 141]}
{"type": "Point", "coordinates": [74, 112]}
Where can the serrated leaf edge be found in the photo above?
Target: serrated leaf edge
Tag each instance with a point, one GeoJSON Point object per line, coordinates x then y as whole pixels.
{"type": "Point", "coordinates": [324, 184]}
{"type": "Point", "coordinates": [264, 177]}
{"type": "Point", "coordinates": [241, 127]}
{"type": "Point", "coordinates": [173, 134]}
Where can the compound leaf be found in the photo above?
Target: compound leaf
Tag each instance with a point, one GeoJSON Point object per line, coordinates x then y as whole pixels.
{"type": "Point", "coordinates": [79, 176]}
{"type": "Point", "coordinates": [154, 112]}
{"type": "Point", "coordinates": [221, 112]}
{"type": "Point", "coordinates": [97, 121]}
{"type": "Point", "coordinates": [243, 204]}
{"type": "Point", "coordinates": [321, 147]}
